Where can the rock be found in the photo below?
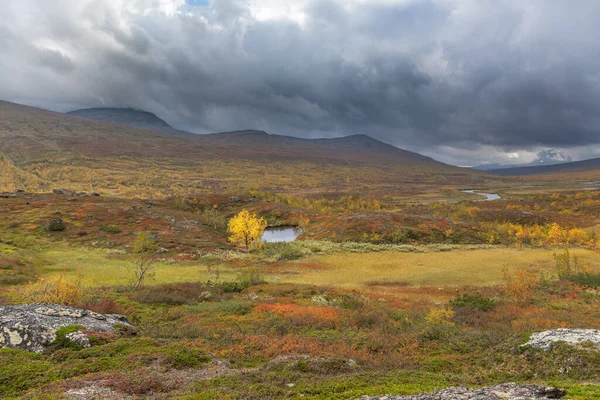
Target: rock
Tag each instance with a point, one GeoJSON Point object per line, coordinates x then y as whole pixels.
{"type": "Point", "coordinates": [547, 339]}
{"type": "Point", "coordinates": [234, 199]}
{"type": "Point", "coordinates": [79, 338]}
{"type": "Point", "coordinates": [55, 225]}
{"type": "Point", "coordinates": [505, 391]}
{"type": "Point", "coordinates": [95, 194]}
{"type": "Point", "coordinates": [33, 327]}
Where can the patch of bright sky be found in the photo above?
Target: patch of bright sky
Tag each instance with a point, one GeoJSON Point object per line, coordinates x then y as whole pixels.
{"type": "Point", "coordinates": [198, 3]}
{"type": "Point", "coordinates": [268, 10]}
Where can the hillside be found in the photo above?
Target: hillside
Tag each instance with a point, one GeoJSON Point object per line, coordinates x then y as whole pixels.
{"type": "Point", "coordinates": [125, 116]}
{"type": "Point", "coordinates": [45, 149]}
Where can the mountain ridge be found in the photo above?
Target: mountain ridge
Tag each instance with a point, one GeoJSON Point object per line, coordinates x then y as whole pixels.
{"type": "Point", "coordinates": [49, 149]}
{"type": "Point", "coordinates": [124, 116]}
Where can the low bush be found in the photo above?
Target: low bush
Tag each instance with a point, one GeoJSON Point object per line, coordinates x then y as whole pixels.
{"type": "Point", "coordinates": [111, 229]}
{"type": "Point", "coordinates": [175, 293]}
{"type": "Point", "coordinates": [476, 301]}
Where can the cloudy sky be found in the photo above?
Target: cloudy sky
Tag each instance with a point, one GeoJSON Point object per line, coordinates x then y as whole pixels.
{"type": "Point", "coordinates": [464, 81]}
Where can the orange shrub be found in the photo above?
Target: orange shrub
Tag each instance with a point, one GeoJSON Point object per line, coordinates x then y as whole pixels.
{"type": "Point", "coordinates": [303, 315]}
{"type": "Point", "coordinates": [521, 286]}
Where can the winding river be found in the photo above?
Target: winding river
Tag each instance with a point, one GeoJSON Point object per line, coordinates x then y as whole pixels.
{"type": "Point", "coordinates": [488, 196]}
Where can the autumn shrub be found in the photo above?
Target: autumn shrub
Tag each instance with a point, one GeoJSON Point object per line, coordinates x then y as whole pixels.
{"type": "Point", "coordinates": [111, 229]}
{"type": "Point", "coordinates": [297, 315]}
{"type": "Point", "coordinates": [521, 286]}
{"type": "Point", "coordinates": [103, 305]}
{"type": "Point", "coordinates": [99, 338]}
{"type": "Point", "coordinates": [438, 323]}
{"type": "Point", "coordinates": [57, 290]}
{"type": "Point", "coordinates": [475, 301]}
{"type": "Point", "coordinates": [370, 318]}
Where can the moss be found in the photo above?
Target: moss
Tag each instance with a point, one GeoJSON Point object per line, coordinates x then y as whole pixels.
{"type": "Point", "coordinates": [179, 357]}
{"type": "Point", "coordinates": [61, 341]}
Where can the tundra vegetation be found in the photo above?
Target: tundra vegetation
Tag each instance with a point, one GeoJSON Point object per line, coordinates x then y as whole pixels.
{"type": "Point", "coordinates": [400, 283]}
{"type": "Point", "coordinates": [375, 297]}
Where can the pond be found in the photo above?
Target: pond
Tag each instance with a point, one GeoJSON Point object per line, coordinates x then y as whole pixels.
{"type": "Point", "coordinates": [281, 234]}
{"type": "Point", "coordinates": [488, 196]}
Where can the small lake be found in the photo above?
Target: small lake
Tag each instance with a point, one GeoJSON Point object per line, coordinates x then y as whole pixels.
{"type": "Point", "coordinates": [282, 234]}
{"type": "Point", "coordinates": [488, 196]}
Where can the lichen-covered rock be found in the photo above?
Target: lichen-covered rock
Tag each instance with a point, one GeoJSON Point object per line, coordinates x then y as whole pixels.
{"type": "Point", "coordinates": [547, 339]}
{"type": "Point", "coordinates": [79, 338]}
{"type": "Point", "coordinates": [33, 326]}
{"type": "Point", "coordinates": [505, 391]}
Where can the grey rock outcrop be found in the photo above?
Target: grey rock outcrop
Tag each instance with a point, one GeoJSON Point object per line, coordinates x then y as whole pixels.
{"type": "Point", "coordinates": [505, 391]}
{"type": "Point", "coordinates": [547, 339]}
{"type": "Point", "coordinates": [33, 326]}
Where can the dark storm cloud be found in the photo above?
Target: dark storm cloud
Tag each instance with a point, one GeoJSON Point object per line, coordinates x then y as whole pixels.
{"type": "Point", "coordinates": [447, 77]}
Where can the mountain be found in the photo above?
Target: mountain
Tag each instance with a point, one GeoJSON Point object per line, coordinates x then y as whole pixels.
{"type": "Point", "coordinates": [353, 147]}
{"type": "Point", "coordinates": [535, 163]}
{"type": "Point", "coordinates": [590, 166]}
{"type": "Point", "coordinates": [125, 116]}
{"type": "Point", "coordinates": [41, 150]}
{"type": "Point", "coordinates": [543, 158]}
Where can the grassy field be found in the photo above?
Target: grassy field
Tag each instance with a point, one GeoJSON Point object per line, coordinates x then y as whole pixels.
{"type": "Point", "coordinates": [456, 268]}
{"type": "Point", "coordinates": [453, 268]}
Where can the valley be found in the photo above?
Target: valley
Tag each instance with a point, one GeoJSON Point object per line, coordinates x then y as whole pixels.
{"type": "Point", "coordinates": [386, 273]}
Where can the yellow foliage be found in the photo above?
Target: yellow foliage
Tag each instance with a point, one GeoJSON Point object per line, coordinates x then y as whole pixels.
{"type": "Point", "coordinates": [57, 290]}
{"type": "Point", "coordinates": [440, 316]}
{"type": "Point", "coordinates": [520, 286]}
{"type": "Point", "coordinates": [246, 229]}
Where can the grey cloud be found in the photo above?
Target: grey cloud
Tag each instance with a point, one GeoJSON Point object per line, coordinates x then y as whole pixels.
{"type": "Point", "coordinates": [448, 78]}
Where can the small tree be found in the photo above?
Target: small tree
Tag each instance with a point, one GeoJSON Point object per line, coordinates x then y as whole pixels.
{"type": "Point", "coordinates": [246, 229]}
{"type": "Point", "coordinates": [212, 216]}
{"type": "Point", "coordinates": [144, 256]}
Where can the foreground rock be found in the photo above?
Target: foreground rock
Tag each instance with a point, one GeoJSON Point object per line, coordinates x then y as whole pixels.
{"type": "Point", "coordinates": [547, 339]}
{"type": "Point", "coordinates": [33, 327]}
{"type": "Point", "coordinates": [506, 391]}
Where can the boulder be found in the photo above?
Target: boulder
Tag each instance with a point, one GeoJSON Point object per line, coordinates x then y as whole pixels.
{"type": "Point", "coordinates": [33, 327]}
{"type": "Point", "coordinates": [505, 391]}
{"type": "Point", "coordinates": [55, 225]}
{"type": "Point", "coordinates": [547, 339]}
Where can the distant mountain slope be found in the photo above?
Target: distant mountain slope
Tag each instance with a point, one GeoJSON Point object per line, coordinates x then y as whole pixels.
{"type": "Point", "coordinates": [591, 165]}
{"type": "Point", "coordinates": [493, 167]}
{"type": "Point", "coordinates": [44, 150]}
{"type": "Point", "coordinates": [125, 116]}
{"type": "Point", "coordinates": [353, 147]}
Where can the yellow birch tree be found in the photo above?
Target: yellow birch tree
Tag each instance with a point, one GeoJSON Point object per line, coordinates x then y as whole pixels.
{"type": "Point", "coordinates": [246, 229]}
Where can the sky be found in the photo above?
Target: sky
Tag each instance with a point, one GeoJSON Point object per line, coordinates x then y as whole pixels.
{"type": "Point", "coordinates": [464, 81]}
